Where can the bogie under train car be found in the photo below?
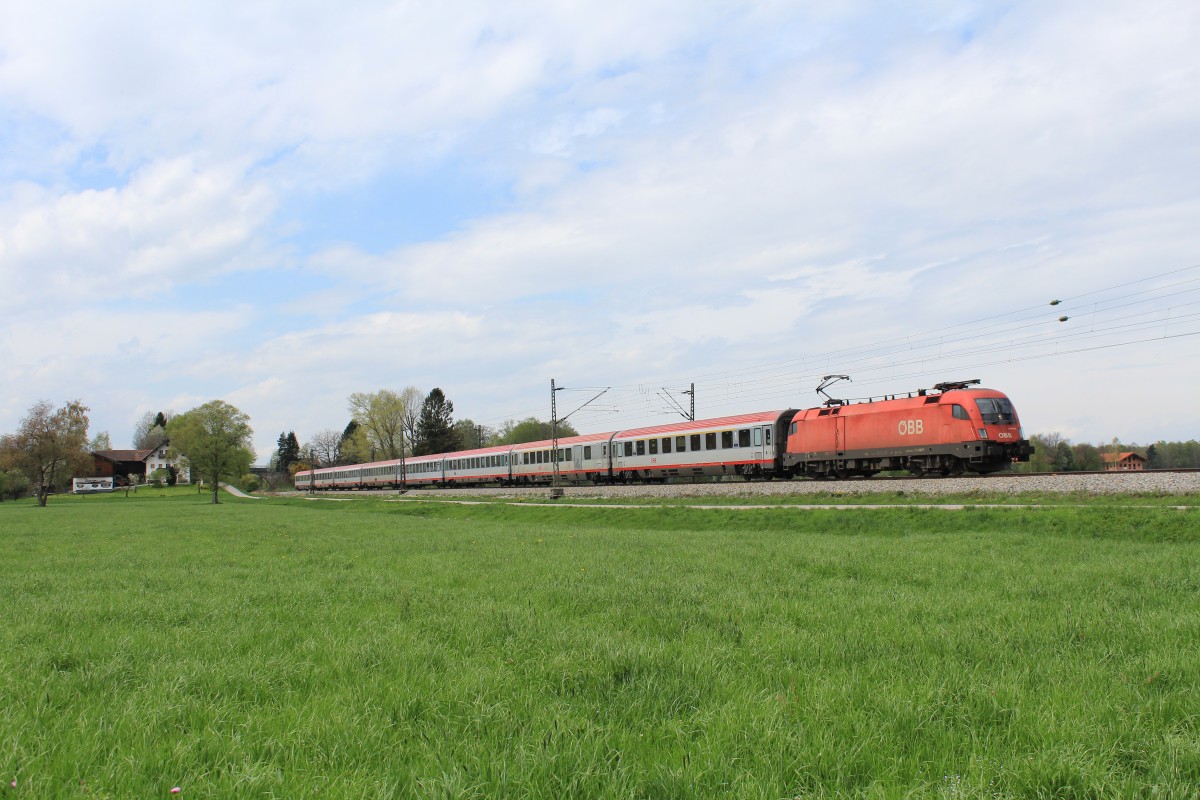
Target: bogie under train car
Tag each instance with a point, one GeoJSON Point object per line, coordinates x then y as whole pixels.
{"type": "Point", "coordinates": [948, 430]}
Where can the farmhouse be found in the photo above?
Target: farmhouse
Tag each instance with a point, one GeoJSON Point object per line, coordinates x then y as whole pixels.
{"type": "Point", "coordinates": [142, 463]}
{"type": "Point", "coordinates": [1123, 462]}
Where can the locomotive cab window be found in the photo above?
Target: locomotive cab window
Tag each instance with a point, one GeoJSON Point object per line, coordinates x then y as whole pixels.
{"type": "Point", "coordinates": [996, 410]}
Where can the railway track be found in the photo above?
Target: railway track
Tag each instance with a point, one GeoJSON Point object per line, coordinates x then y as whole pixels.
{"type": "Point", "coordinates": [1171, 482]}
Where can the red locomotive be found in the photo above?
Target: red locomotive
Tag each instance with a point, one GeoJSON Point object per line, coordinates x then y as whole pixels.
{"type": "Point", "coordinates": [947, 431]}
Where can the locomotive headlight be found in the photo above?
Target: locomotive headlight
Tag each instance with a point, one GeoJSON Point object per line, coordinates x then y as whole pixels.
{"type": "Point", "coordinates": [983, 433]}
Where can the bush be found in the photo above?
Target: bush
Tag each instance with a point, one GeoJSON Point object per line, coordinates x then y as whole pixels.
{"type": "Point", "coordinates": [249, 483]}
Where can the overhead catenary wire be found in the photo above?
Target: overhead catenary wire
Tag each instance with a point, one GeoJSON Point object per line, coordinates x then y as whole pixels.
{"type": "Point", "coordinates": [1024, 334]}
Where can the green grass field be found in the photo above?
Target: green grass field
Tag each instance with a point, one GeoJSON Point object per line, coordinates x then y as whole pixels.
{"type": "Point", "coordinates": [361, 649]}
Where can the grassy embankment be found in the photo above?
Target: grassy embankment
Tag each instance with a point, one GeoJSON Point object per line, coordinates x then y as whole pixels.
{"type": "Point", "coordinates": [374, 649]}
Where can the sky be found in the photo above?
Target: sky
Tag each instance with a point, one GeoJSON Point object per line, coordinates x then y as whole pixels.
{"type": "Point", "coordinates": [278, 204]}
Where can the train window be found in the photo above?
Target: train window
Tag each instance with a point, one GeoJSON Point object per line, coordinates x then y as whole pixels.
{"type": "Point", "coordinates": [768, 439]}
{"type": "Point", "coordinates": [758, 436]}
{"type": "Point", "coordinates": [792, 429]}
{"type": "Point", "coordinates": [726, 440]}
{"type": "Point", "coordinates": [628, 449]}
{"type": "Point", "coordinates": [680, 444]}
{"type": "Point", "coordinates": [960, 412]}
{"type": "Point", "coordinates": [604, 451]}
{"type": "Point", "coordinates": [744, 437]}
{"type": "Point", "coordinates": [666, 444]}
{"type": "Point", "coordinates": [546, 457]}
{"type": "Point", "coordinates": [641, 447]}
{"type": "Point", "coordinates": [587, 451]}
{"type": "Point", "coordinates": [710, 441]}
{"type": "Point", "coordinates": [694, 443]}
{"type": "Point", "coordinates": [996, 410]}
{"type": "Point", "coordinates": [654, 447]}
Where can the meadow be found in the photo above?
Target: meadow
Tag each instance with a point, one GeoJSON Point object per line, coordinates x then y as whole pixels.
{"type": "Point", "coordinates": [359, 649]}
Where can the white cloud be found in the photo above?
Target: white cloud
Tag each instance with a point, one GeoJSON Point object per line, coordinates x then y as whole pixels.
{"type": "Point", "coordinates": [173, 222]}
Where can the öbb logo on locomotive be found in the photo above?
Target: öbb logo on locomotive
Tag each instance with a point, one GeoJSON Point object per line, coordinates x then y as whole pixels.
{"type": "Point", "coordinates": [950, 429]}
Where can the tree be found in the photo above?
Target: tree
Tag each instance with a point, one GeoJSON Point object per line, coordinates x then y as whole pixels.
{"type": "Point", "coordinates": [13, 483]}
{"type": "Point", "coordinates": [381, 416]}
{"type": "Point", "coordinates": [215, 438]}
{"type": "Point", "coordinates": [101, 441]}
{"type": "Point", "coordinates": [1087, 457]}
{"type": "Point", "coordinates": [353, 446]}
{"type": "Point", "coordinates": [531, 429]}
{"type": "Point", "coordinates": [288, 452]}
{"type": "Point", "coordinates": [411, 397]}
{"type": "Point", "coordinates": [49, 446]}
{"type": "Point", "coordinates": [1064, 457]}
{"type": "Point", "coordinates": [435, 426]}
{"type": "Point", "coordinates": [151, 430]}
{"type": "Point", "coordinates": [472, 435]}
{"type": "Point", "coordinates": [324, 447]}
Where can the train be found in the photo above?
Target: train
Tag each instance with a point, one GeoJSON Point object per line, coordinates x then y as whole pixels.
{"type": "Point", "coordinates": [954, 428]}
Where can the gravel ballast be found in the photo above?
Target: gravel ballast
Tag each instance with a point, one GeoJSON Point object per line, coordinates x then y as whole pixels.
{"type": "Point", "coordinates": [1131, 483]}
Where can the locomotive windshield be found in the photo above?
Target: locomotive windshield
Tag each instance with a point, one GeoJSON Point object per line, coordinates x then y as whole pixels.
{"type": "Point", "coordinates": [997, 411]}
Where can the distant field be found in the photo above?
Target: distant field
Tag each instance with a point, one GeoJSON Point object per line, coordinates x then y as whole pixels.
{"type": "Point", "coordinates": [297, 648]}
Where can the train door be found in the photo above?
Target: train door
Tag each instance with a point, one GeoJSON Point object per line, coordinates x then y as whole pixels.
{"type": "Point", "coordinates": [757, 433]}
{"type": "Point", "coordinates": [577, 457]}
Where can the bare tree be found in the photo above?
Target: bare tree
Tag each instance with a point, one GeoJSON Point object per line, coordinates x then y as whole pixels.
{"type": "Point", "coordinates": [49, 445]}
{"type": "Point", "coordinates": [412, 398]}
{"type": "Point", "coordinates": [325, 447]}
{"type": "Point", "coordinates": [151, 429]}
